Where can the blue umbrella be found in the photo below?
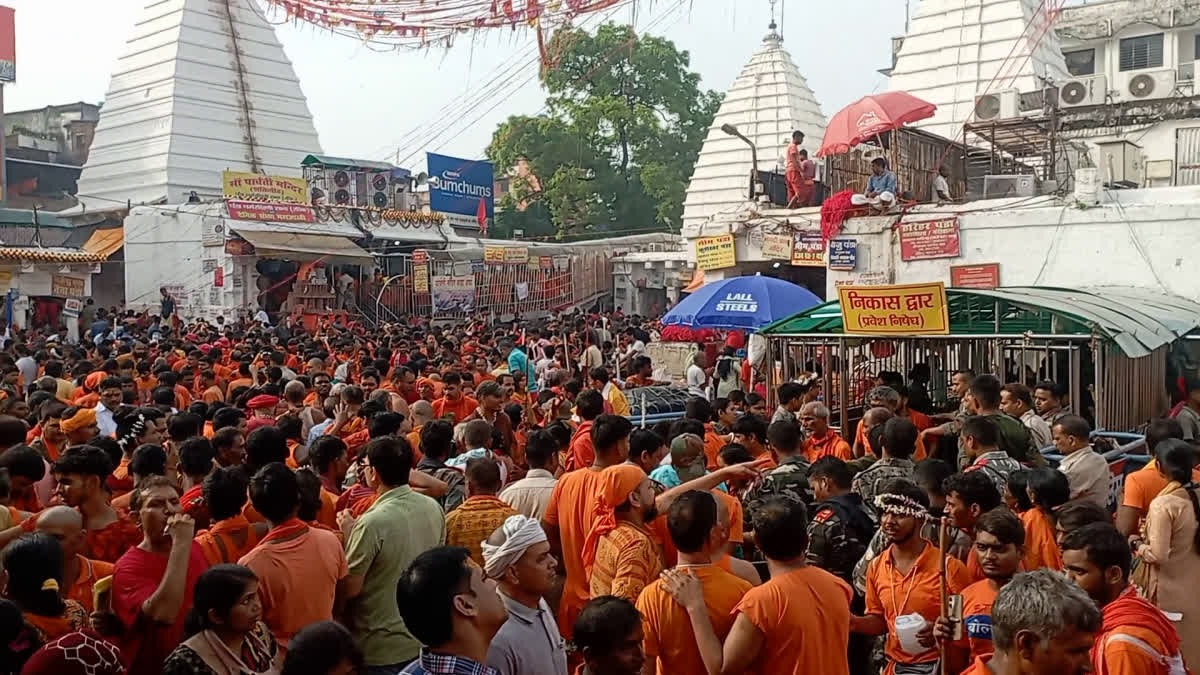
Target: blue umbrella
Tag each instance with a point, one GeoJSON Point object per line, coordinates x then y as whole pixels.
{"type": "Point", "coordinates": [747, 303]}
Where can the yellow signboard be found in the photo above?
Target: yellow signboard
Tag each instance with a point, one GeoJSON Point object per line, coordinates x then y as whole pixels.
{"type": "Point", "coordinates": [516, 256]}
{"type": "Point", "coordinates": [5, 280]}
{"type": "Point", "coordinates": [493, 255]}
{"type": "Point", "coordinates": [714, 253]}
{"type": "Point", "coordinates": [912, 309]}
{"type": "Point", "coordinates": [257, 187]}
{"type": "Point", "coordinates": [420, 273]}
{"type": "Point", "coordinates": [777, 246]}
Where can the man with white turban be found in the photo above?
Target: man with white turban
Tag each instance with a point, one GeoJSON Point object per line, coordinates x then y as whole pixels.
{"type": "Point", "coordinates": [517, 556]}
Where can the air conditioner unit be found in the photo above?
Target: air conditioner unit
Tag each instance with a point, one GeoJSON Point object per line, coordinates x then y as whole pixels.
{"type": "Point", "coordinates": [380, 190]}
{"type": "Point", "coordinates": [1149, 84]}
{"type": "Point", "coordinates": [1000, 187]}
{"type": "Point", "coordinates": [1001, 105]}
{"type": "Point", "coordinates": [1158, 172]}
{"type": "Point", "coordinates": [343, 190]}
{"type": "Point", "coordinates": [1083, 91]}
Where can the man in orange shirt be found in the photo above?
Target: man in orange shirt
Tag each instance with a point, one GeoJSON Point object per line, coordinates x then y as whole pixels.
{"type": "Point", "coordinates": [230, 535]}
{"type": "Point", "coordinates": [822, 441]}
{"type": "Point", "coordinates": [619, 554]}
{"type": "Point", "coordinates": [301, 569]}
{"type": "Point", "coordinates": [581, 453]}
{"type": "Point", "coordinates": [568, 518]}
{"type": "Point", "coordinates": [1049, 489]}
{"type": "Point", "coordinates": [969, 495]}
{"type": "Point", "coordinates": [905, 578]}
{"type": "Point", "coordinates": [80, 474]}
{"type": "Point", "coordinates": [1143, 485]}
{"type": "Point", "coordinates": [750, 432]}
{"type": "Point", "coordinates": [243, 379]}
{"type": "Point", "coordinates": [1097, 558]}
{"type": "Point", "coordinates": [453, 405]}
{"type": "Point", "coordinates": [211, 393]}
{"type": "Point", "coordinates": [798, 622]}
{"type": "Point", "coordinates": [668, 637]}
{"type": "Point", "coordinates": [79, 573]}
{"type": "Point", "coordinates": [999, 548]}
{"type": "Point", "coordinates": [1041, 625]}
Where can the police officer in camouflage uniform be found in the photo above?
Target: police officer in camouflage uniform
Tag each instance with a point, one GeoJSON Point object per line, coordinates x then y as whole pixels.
{"type": "Point", "coordinates": [789, 479]}
{"type": "Point", "coordinates": [837, 539]}
{"type": "Point", "coordinates": [898, 440]}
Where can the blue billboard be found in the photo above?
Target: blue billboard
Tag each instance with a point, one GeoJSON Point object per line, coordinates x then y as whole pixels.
{"type": "Point", "coordinates": [459, 187]}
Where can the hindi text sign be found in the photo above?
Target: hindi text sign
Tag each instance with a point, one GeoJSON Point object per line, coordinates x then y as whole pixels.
{"type": "Point", "coordinates": [453, 294]}
{"type": "Point", "coordinates": [273, 213]}
{"type": "Point", "coordinates": [911, 309]}
{"type": "Point", "coordinates": [843, 254]}
{"type": "Point", "coordinates": [929, 239]}
{"type": "Point", "coordinates": [983, 276]}
{"type": "Point", "coordinates": [493, 255]}
{"type": "Point", "coordinates": [809, 250]}
{"type": "Point", "coordinates": [420, 273]}
{"type": "Point", "coordinates": [261, 188]}
{"type": "Point", "coordinates": [715, 253]}
{"type": "Point", "coordinates": [516, 256]}
{"type": "Point", "coordinates": [777, 246]}
{"type": "Point", "coordinates": [66, 287]}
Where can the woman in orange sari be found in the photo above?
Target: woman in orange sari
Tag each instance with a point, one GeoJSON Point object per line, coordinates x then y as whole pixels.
{"type": "Point", "coordinates": [34, 564]}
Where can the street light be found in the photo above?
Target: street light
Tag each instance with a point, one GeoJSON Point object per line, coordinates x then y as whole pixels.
{"type": "Point", "coordinates": [733, 131]}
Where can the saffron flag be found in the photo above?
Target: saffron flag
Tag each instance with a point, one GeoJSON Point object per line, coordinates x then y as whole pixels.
{"type": "Point", "coordinates": [481, 216]}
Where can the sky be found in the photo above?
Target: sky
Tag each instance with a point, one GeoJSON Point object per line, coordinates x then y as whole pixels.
{"type": "Point", "coordinates": [396, 105]}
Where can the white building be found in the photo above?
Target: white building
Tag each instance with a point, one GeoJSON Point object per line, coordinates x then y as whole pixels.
{"type": "Point", "coordinates": [1132, 64]}
{"type": "Point", "coordinates": [767, 102]}
{"type": "Point", "coordinates": [200, 88]}
{"type": "Point", "coordinates": [955, 50]}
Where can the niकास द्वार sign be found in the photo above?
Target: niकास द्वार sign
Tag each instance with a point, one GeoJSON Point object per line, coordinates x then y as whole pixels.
{"type": "Point", "coordinates": [910, 309]}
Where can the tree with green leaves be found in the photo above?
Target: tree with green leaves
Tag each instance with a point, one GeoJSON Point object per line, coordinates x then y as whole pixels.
{"type": "Point", "coordinates": [624, 122]}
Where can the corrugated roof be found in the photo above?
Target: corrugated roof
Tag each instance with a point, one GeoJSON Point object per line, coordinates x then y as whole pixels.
{"type": "Point", "coordinates": [1137, 320]}
{"type": "Point", "coordinates": [345, 163]}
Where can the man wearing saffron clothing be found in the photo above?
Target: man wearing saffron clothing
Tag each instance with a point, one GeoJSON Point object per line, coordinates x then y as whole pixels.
{"type": "Point", "coordinates": [1135, 637]}
{"type": "Point", "coordinates": [301, 570]}
{"type": "Point", "coordinates": [153, 581]}
{"type": "Point", "coordinates": [1041, 625]}
{"type": "Point", "coordinates": [619, 554]}
{"type": "Point", "coordinates": [822, 441]}
{"type": "Point", "coordinates": [798, 192]}
{"type": "Point", "coordinates": [230, 535]}
{"type": "Point", "coordinates": [401, 525]}
{"type": "Point", "coordinates": [482, 512]}
{"type": "Point", "coordinates": [568, 516]}
{"type": "Point", "coordinates": [904, 579]}
{"type": "Point", "coordinates": [80, 474]}
{"type": "Point", "coordinates": [79, 574]}
{"type": "Point", "coordinates": [453, 406]}
{"type": "Point", "coordinates": [668, 639]}
{"type": "Point", "coordinates": [999, 548]}
{"type": "Point", "coordinates": [798, 622]}
{"type": "Point", "coordinates": [582, 452]}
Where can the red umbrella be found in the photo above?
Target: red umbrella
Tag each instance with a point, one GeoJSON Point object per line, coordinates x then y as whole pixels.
{"type": "Point", "coordinates": [872, 115]}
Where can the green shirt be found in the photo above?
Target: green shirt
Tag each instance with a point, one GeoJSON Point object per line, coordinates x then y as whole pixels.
{"type": "Point", "coordinates": [398, 527]}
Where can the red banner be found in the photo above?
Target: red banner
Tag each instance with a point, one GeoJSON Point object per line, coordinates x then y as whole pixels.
{"type": "Point", "coordinates": [8, 45]}
{"type": "Point", "coordinates": [276, 213]}
{"type": "Point", "coordinates": [975, 276]}
{"type": "Point", "coordinates": [929, 239]}
{"type": "Point", "coordinates": [219, 277]}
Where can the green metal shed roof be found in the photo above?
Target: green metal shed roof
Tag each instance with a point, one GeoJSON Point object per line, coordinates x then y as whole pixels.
{"type": "Point", "coordinates": [1137, 320]}
{"type": "Point", "coordinates": [345, 163]}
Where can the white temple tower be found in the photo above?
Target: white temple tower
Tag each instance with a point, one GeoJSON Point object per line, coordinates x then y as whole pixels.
{"type": "Point", "coordinates": [957, 49]}
{"type": "Point", "coordinates": [201, 86]}
{"type": "Point", "coordinates": [767, 102]}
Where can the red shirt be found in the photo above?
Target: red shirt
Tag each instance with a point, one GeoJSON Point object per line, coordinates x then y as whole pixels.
{"type": "Point", "coordinates": [146, 644]}
{"type": "Point", "coordinates": [581, 454]}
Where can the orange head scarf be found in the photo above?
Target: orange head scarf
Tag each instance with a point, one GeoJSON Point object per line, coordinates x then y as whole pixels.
{"type": "Point", "coordinates": [84, 417]}
{"type": "Point", "coordinates": [93, 380]}
{"type": "Point", "coordinates": [616, 484]}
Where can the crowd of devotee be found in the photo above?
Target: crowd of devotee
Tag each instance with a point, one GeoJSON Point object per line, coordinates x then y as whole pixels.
{"type": "Point", "coordinates": [189, 498]}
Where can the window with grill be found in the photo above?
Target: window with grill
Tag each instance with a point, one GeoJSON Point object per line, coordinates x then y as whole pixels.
{"type": "Point", "coordinates": [1081, 62]}
{"type": "Point", "coordinates": [1144, 51]}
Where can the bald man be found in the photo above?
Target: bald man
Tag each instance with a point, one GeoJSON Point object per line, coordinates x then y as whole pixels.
{"type": "Point", "coordinates": [721, 557]}
{"type": "Point", "coordinates": [422, 412]}
{"type": "Point", "coordinates": [79, 573]}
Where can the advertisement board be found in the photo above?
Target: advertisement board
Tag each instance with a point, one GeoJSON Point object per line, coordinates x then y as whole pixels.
{"type": "Point", "coordinates": [453, 294]}
{"type": "Point", "coordinates": [459, 186]}
{"type": "Point", "coordinates": [714, 253]}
